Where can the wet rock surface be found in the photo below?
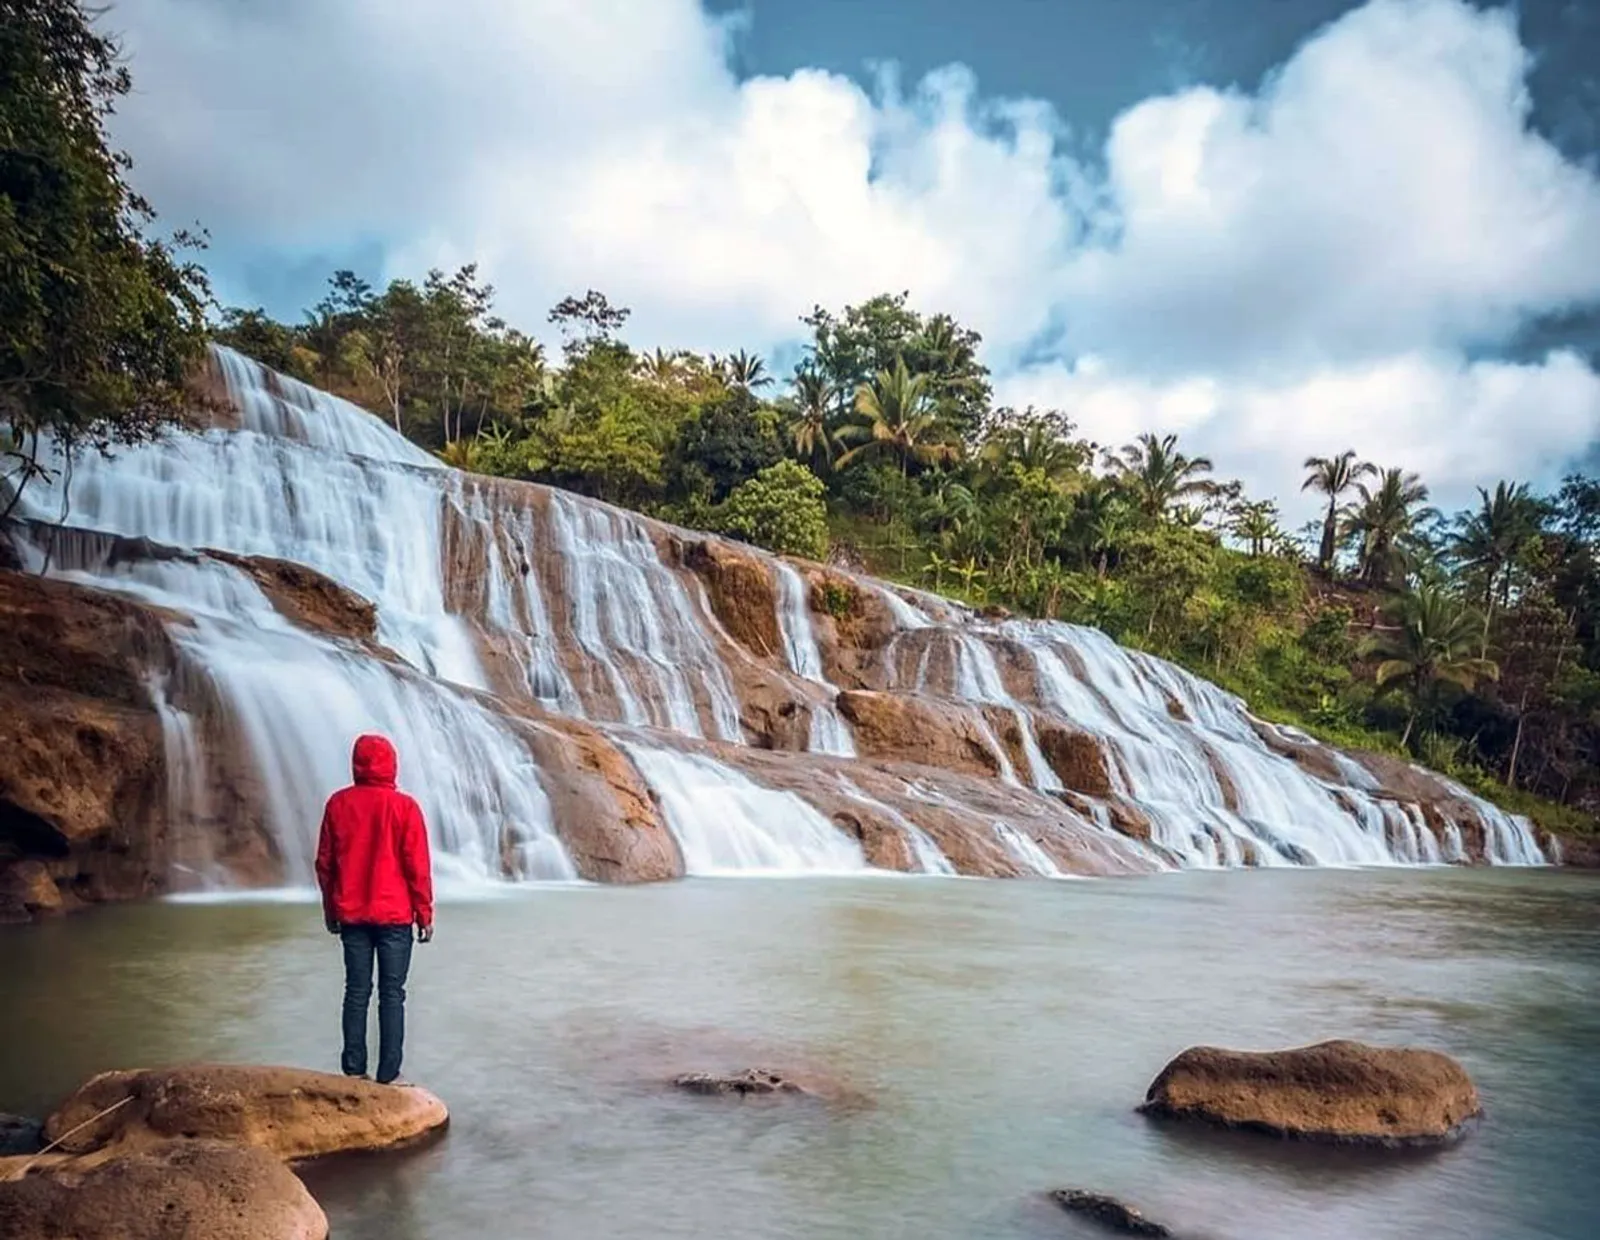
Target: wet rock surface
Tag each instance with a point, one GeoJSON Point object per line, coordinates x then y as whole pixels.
{"type": "Point", "coordinates": [1113, 1215]}
{"type": "Point", "coordinates": [20, 1135]}
{"type": "Point", "coordinates": [173, 1190]}
{"type": "Point", "coordinates": [291, 1113]}
{"type": "Point", "coordinates": [751, 1081]}
{"type": "Point", "coordinates": [1339, 1091]}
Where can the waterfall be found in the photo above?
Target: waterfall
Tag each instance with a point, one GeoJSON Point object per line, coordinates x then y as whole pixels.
{"type": "Point", "coordinates": [1026, 852]}
{"type": "Point", "coordinates": [829, 732]}
{"type": "Point", "coordinates": [557, 602]}
{"type": "Point", "coordinates": [632, 615]}
{"type": "Point", "coordinates": [299, 701]}
{"type": "Point", "coordinates": [727, 824]}
{"type": "Point", "coordinates": [927, 854]}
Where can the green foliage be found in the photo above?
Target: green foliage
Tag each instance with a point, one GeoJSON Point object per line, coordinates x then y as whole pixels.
{"type": "Point", "coordinates": [100, 324]}
{"type": "Point", "coordinates": [886, 437]}
{"type": "Point", "coordinates": [782, 509]}
{"type": "Point", "coordinates": [839, 601]}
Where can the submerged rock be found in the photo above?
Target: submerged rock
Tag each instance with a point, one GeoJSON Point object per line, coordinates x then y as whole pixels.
{"type": "Point", "coordinates": [173, 1190]}
{"type": "Point", "coordinates": [20, 1135]}
{"type": "Point", "coordinates": [1116, 1215]}
{"type": "Point", "coordinates": [290, 1113]}
{"type": "Point", "coordinates": [1338, 1091]}
{"type": "Point", "coordinates": [739, 1084]}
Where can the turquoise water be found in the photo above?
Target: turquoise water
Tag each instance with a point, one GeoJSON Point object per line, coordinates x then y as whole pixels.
{"type": "Point", "coordinates": [1000, 1034]}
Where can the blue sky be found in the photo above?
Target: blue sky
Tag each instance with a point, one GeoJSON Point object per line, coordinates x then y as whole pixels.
{"type": "Point", "coordinates": [1275, 227]}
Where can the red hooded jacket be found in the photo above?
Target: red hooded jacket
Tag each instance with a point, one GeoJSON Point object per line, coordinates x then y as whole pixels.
{"type": "Point", "coordinates": [372, 855]}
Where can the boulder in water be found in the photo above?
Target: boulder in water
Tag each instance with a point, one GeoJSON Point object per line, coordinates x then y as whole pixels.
{"type": "Point", "coordinates": [1338, 1091]}
{"type": "Point", "coordinates": [172, 1190]}
{"type": "Point", "coordinates": [739, 1084]}
{"type": "Point", "coordinates": [291, 1113]}
{"type": "Point", "coordinates": [1116, 1215]}
{"type": "Point", "coordinates": [20, 1135]}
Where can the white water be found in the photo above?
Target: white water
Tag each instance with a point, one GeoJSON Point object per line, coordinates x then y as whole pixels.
{"type": "Point", "coordinates": [829, 732]}
{"type": "Point", "coordinates": [929, 857]}
{"type": "Point", "coordinates": [311, 479]}
{"type": "Point", "coordinates": [726, 823]}
{"type": "Point", "coordinates": [1026, 852]}
{"type": "Point", "coordinates": [632, 614]}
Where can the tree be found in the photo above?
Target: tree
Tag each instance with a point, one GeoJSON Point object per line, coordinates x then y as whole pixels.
{"type": "Point", "coordinates": [1491, 539]}
{"type": "Point", "coordinates": [851, 348]}
{"type": "Point", "coordinates": [100, 325]}
{"type": "Point", "coordinates": [811, 421]}
{"type": "Point", "coordinates": [1033, 439]}
{"type": "Point", "coordinates": [782, 509]}
{"type": "Point", "coordinates": [1385, 520]}
{"type": "Point", "coordinates": [728, 439]}
{"type": "Point", "coordinates": [1334, 476]}
{"type": "Point", "coordinates": [587, 320]}
{"type": "Point", "coordinates": [897, 417]}
{"type": "Point", "coordinates": [744, 370]}
{"type": "Point", "coordinates": [1256, 524]}
{"type": "Point", "coordinates": [1156, 475]}
{"type": "Point", "coordinates": [1432, 645]}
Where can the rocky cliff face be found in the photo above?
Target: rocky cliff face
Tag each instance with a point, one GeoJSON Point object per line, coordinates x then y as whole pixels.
{"type": "Point", "coordinates": [577, 692]}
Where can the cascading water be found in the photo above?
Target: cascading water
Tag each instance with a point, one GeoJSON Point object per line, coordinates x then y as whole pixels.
{"type": "Point", "coordinates": [829, 732]}
{"type": "Point", "coordinates": [569, 604]}
{"type": "Point", "coordinates": [633, 616]}
{"type": "Point", "coordinates": [726, 823]}
{"type": "Point", "coordinates": [297, 700]}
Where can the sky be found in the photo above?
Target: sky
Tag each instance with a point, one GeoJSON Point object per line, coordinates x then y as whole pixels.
{"type": "Point", "coordinates": [1276, 228]}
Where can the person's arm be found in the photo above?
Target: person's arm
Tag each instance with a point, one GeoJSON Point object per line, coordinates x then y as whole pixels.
{"type": "Point", "coordinates": [418, 866]}
{"type": "Point", "coordinates": [327, 871]}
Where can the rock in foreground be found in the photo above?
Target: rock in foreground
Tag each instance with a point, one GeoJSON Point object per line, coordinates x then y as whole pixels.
{"type": "Point", "coordinates": [739, 1084]}
{"type": "Point", "coordinates": [175, 1190]}
{"type": "Point", "coordinates": [288, 1112]}
{"type": "Point", "coordinates": [1116, 1215]}
{"type": "Point", "coordinates": [1334, 1091]}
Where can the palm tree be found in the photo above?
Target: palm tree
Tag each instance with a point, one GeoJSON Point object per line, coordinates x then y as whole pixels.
{"type": "Point", "coordinates": [897, 416]}
{"type": "Point", "coordinates": [1491, 540]}
{"type": "Point", "coordinates": [1333, 476]}
{"type": "Point", "coordinates": [1101, 515]}
{"type": "Point", "coordinates": [1156, 475]}
{"type": "Point", "coordinates": [1033, 445]}
{"type": "Point", "coordinates": [745, 370]}
{"type": "Point", "coordinates": [661, 367]}
{"type": "Point", "coordinates": [1385, 521]}
{"type": "Point", "coordinates": [1433, 645]}
{"type": "Point", "coordinates": [1257, 524]}
{"type": "Point", "coordinates": [810, 428]}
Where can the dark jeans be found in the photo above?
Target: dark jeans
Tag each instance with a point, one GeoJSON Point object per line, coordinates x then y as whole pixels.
{"type": "Point", "coordinates": [392, 946]}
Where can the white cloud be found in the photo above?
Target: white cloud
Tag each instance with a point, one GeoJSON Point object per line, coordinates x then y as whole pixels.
{"type": "Point", "coordinates": [1297, 270]}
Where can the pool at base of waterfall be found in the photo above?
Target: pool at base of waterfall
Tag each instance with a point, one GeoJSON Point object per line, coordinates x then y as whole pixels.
{"type": "Point", "coordinates": [991, 1040]}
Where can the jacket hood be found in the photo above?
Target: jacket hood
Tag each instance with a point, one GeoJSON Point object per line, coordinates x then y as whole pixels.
{"type": "Point", "coordinates": [373, 761]}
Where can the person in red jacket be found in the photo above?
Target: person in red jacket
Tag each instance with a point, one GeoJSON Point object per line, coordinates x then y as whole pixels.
{"type": "Point", "coordinates": [377, 883]}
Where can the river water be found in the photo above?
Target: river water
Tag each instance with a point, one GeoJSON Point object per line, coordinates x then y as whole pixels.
{"type": "Point", "coordinates": [993, 1039]}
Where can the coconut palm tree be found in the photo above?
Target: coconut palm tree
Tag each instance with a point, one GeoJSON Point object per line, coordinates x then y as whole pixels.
{"type": "Point", "coordinates": [1156, 475]}
{"type": "Point", "coordinates": [1490, 540]}
{"type": "Point", "coordinates": [810, 426]}
{"type": "Point", "coordinates": [1033, 445]}
{"type": "Point", "coordinates": [745, 370]}
{"type": "Point", "coordinates": [1385, 521]}
{"type": "Point", "coordinates": [1432, 645]}
{"type": "Point", "coordinates": [898, 417]}
{"type": "Point", "coordinates": [661, 367]}
{"type": "Point", "coordinates": [1333, 476]}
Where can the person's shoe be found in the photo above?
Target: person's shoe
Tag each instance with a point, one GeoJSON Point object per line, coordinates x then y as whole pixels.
{"type": "Point", "coordinates": [359, 1076]}
{"type": "Point", "coordinates": [399, 1082]}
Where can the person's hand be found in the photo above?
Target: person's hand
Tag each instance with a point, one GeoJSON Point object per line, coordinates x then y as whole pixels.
{"type": "Point", "coordinates": [332, 923]}
{"type": "Point", "coordinates": [424, 933]}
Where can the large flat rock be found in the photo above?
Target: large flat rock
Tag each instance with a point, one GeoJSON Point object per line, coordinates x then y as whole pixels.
{"type": "Point", "coordinates": [174, 1190]}
{"type": "Point", "coordinates": [1334, 1091]}
{"type": "Point", "coordinates": [290, 1113]}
